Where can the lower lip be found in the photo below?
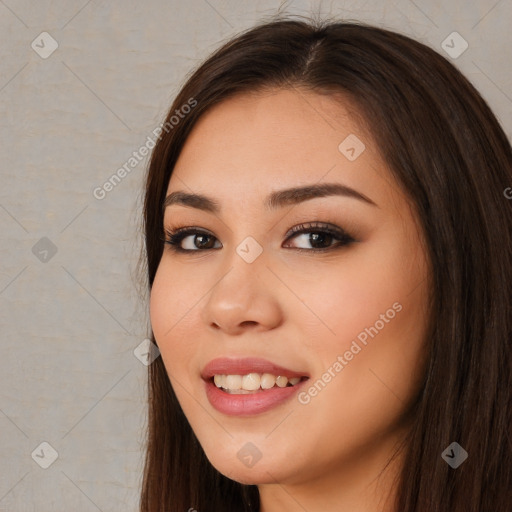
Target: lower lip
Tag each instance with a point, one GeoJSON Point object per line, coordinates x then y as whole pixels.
{"type": "Point", "coordinates": [246, 405]}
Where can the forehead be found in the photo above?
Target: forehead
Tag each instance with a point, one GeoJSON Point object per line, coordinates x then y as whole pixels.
{"type": "Point", "coordinates": [253, 143]}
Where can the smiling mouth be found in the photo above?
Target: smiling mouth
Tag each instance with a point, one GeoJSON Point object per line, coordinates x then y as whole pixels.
{"type": "Point", "coordinates": [253, 383]}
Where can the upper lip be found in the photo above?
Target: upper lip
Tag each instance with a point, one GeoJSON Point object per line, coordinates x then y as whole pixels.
{"type": "Point", "coordinates": [244, 366]}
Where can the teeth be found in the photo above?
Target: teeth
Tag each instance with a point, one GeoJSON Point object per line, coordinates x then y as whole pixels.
{"type": "Point", "coordinates": [242, 384]}
{"type": "Point", "coordinates": [267, 381]}
{"type": "Point", "coordinates": [233, 382]}
{"type": "Point", "coordinates": [281, 381]}
{"type": "Point", "coordinates": [250, 382]}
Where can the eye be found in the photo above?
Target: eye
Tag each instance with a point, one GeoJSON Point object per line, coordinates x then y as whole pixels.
{"type": "Point", "coordinates": [321, 237]}
{"type": "Point", "coordinates": [199, 239]}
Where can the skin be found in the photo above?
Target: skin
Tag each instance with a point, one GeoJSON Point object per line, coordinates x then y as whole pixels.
{"type": "Point", "coordinates": [298, 309]}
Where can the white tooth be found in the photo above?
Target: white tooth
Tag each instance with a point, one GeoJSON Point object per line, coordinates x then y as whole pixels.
{"type": "Point", "coordinates": [267, 381]}
{"type": "Point", "coordinates": [234, 381]}
{"type": "Point", "coordinates": [281, 381]}
{"type": "Point", "coordinates": [251, 382]}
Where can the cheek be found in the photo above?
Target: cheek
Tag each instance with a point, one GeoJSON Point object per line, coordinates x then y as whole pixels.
{"type": "Point", "coordinates": [345, 299]}
{"type": "Point", "coordinates": [375, 317]}
{"type": "Point", "coordinates": [161, 304]}
{"type": "Point", "coordinates": [378, 334]}
{"type": "Point", "coordinates": [171, 307]}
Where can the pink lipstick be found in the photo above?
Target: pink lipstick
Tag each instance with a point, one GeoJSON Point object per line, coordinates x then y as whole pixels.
{"type": "Point", "coordinates": [247, 386]}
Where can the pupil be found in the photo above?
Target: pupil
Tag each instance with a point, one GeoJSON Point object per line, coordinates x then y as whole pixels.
{"type": "Point", "coordinates": [315, 237]}
{"type": "Point", "coordinates": [201, 237]}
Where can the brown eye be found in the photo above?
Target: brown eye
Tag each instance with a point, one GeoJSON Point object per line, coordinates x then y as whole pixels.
{"type": "Point", "coordinates": [320, 236]}
{"type": "Point", "coordinates": [199, 240]}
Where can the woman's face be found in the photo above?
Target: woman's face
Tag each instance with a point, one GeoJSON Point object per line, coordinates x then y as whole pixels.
{"type": "Point", "coordinates": [347, 311]}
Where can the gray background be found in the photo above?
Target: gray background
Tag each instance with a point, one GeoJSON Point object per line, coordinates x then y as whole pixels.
{"type": "Point", "coordinates": [72, 311]}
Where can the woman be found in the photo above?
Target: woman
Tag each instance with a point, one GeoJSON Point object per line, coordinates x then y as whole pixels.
{"type": "Point", "coordinates": [328, 250]}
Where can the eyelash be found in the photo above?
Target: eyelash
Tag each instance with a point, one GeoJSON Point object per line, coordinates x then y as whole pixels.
{"type": "Point", "coordinates": [175, 237]}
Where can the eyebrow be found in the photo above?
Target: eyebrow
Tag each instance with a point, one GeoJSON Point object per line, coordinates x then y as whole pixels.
{"type": "Point", "coordinates": [275, 200]}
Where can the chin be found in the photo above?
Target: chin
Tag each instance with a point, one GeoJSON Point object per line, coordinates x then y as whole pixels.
{"type": "Point", "coordinates": [260, 473]}
{"type": "Point", "coordinates": [250, 477]}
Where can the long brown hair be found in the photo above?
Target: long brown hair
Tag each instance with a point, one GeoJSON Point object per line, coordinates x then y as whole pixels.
{"type": "Point", "coordinates": [447, 150]}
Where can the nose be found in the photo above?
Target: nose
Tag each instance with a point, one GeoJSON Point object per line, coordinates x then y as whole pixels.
{"type": "Point", "coordinates": [244, 297]}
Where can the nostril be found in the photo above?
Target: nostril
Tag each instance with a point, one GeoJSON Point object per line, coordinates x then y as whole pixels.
{"type": "Point", "coordinates": [248, 322]}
